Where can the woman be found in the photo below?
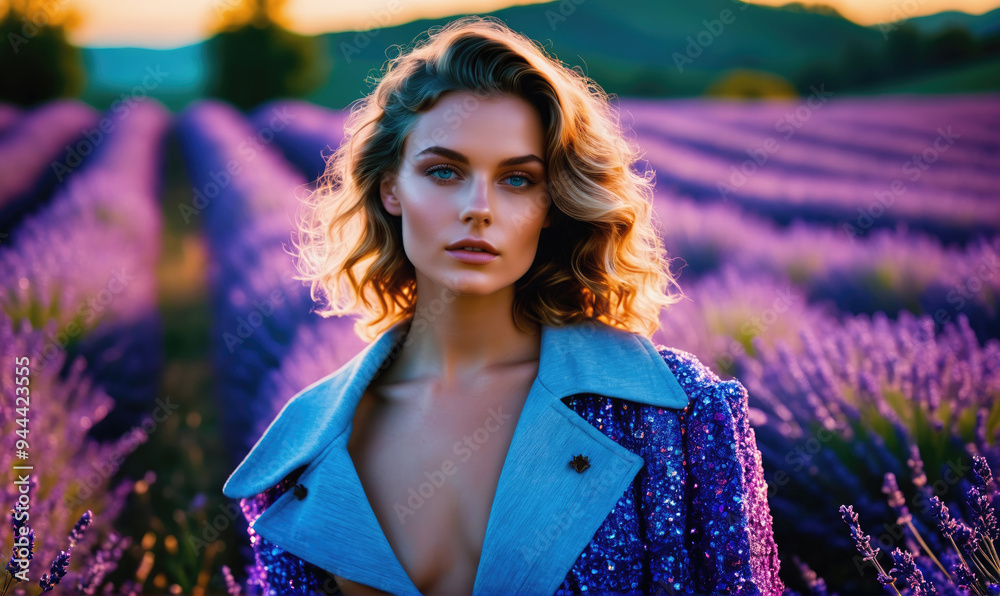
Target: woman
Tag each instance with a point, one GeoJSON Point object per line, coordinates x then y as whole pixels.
{"type": "Point", "coordinates": [511, 428]}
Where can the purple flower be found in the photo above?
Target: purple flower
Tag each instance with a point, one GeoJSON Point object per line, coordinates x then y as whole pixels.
{"type": "Point", "coordinates": [101, 563]}
{"type": "Point", "coordinates": [965, 537]}
{"type": "Point", "coordinates": [896, 500]}
{"type": "Point", "coordinates": [946, 524]}
{"type": "Point", "coordinates": [59, 565]}
{"type": "Point", "coordinates": [816, 584]}
{"type": "Point", "coordinates": [861, 540]}
{"type": "Point", "coordinates": [232, 587]}
{"type": "Point", "coordinates": [916, 465]}
{"type": "Point", "coordinates": [984, 520]}
{"type": "Point", "coordinates": [28, 536]}
{"type": "Point", "coordinates": [904, 568]}
{"type": "Point", "coordinates": [964, 578]}
{"type": "Point", "coordinates": [76, 534]}
{"type": "Point", "coordinates": [983, 476]}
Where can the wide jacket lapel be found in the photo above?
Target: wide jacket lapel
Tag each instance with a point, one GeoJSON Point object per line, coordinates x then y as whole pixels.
{"type": "Point", "coordinates": [560, 480]}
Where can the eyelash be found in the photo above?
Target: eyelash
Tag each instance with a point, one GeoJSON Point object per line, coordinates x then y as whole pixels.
{"type": "Point", "coordinates": [444, 167]}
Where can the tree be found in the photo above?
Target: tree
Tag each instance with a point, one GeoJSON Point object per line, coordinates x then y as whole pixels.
{"type": "Point", "coordinates": [904, 51]}
{"type": "Point", "coordinates": [953, 44]}
{"type": "Point", "coordinates": [37, 62]}
{"type": "Point", "coordinates": [254, 58]}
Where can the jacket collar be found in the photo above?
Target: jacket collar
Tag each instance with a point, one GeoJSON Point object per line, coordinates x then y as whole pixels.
{"type": "Point", "coordinates": [538, 494]}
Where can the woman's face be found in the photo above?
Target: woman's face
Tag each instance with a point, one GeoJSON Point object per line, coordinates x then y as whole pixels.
{"type": "Point", "coordinates": [472, 168]}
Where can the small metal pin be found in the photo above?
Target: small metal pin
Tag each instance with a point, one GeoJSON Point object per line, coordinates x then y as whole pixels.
{"type": "Point", "coordinates": [580, 463]}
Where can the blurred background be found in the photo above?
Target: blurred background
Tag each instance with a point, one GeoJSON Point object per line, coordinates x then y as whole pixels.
{"type": "Point", "coordinates": [827, 180]}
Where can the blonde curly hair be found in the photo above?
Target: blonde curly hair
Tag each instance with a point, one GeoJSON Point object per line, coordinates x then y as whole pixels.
{"type": "Point", "coordinates": [601, 258]}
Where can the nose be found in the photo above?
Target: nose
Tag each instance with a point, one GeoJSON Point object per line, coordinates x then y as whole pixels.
{"type": "Point", "coordinates": [477, 203]}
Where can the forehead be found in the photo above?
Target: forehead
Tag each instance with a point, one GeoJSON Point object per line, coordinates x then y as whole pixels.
{"type": "Point", "coordinates": [504, 126]}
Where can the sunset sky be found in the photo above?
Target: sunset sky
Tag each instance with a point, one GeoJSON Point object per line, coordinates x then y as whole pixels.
{"type": "Point", "coordinates": [173, 23]}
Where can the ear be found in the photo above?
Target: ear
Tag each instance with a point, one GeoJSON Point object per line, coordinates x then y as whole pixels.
{"type": "Point", "coordinates": [387, 188]}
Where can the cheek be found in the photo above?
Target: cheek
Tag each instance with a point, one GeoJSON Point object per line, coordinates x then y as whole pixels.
{"type": "Point", "coordinates": [531, 218]}
{"type": "Point", "coordinates": [424, 224]}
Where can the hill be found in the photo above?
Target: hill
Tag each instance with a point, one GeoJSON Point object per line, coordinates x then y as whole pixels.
{"type": "Point", "coordinates": [650, 48]}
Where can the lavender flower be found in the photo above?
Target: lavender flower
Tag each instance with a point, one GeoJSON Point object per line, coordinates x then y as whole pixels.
{"type": "Point", "coordinates": [31, 150]}
{"type": "Point", "coordinates": [101, 563]}
{"type": "Point", "coordinates": [232, 587]}
{"type": "Point", "coordinates": [982, 474]}
{"type": "Point", "coordinates": [59, 566]}
{"type": "Point", "coordinates": [946, 525]}
{"type": "Point", "coordinates": [72, 405]}
{"type": "Point", "coordinates": [86, 260]}
{"type": "Point", "coordinates": [307, 131]}
{"type": "Point", "coordinates": [246, 224]}
{"type": "Point", "coordinates": [896, 500]}
{"type": "Point", "coordinates": [964, 578]}
{"type": "Point", "coordinates": [816, 584]}
{"type": "Point", "coordinates": [984, 520]}
{"type": "Point", "coordinates": [904, 568]}
{"type": "Point", "coordinates": [24, 544]}
{"type": "Point", "coordinates": [697, 156]}
{"type": "Point", "coordinates": [966, 538]}
{"type": "Point", "coordinates": [861, 540]}
{"type": "Point", "coordinates": [79, 528]}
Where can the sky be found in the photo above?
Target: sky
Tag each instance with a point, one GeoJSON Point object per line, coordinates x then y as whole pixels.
{"type": "Point", "coordinates": [175, 23]}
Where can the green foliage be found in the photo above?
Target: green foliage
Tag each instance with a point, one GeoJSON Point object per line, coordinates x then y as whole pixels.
{"type": "Point", "coordinates": [261, 60]}
{"type": "Point", "coordinates": [906, 55]}
{"type": "Point", "coordinates": [37, 62]}
{"type": "Point", "coordinates": [824, 9]}
{"type": "Point", "coordinates": [904, 51]}
{"type": "Point", "coordinates": [954, 44]}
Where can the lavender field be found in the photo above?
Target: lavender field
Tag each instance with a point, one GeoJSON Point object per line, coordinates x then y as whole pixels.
{"type": "Point", "coordinates": [839, 256]}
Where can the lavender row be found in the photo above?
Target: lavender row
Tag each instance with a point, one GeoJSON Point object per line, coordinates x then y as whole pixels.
{"type": "Point", "coordinates": [313, 132]}
{"type": "Point", "coordinates": [865, 398]}
{"type": "Point", "coordinates": [838, 401]}
{"type": "Point", "coordinates": [87, 261]}
{"type": "Point", "coordinates": [838, 201]}
{"type": "Point", "coordinates": [832, 149]}
{"type": "Point", "coordinates": [244, 193]}
{"type": "Point", "coordinates": [904, 116]}
{"type": "Point", "coordinates": [73, 502]}
{"type": "Point", "coordinates": [36, 153]}
{"type": "Point", "coordinates": [881, 270]}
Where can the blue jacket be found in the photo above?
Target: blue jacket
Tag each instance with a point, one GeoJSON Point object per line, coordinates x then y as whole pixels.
{"type": "Point", "coordinates": [673, 500]}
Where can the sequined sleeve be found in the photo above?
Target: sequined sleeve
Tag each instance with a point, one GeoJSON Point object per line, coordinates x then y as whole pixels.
{"type": "Point", "coordinates": [729, 532]}
{"type": "Point", "coordinates": [704, 499]}
{"type": "Point", "coordinates": [276, 572]}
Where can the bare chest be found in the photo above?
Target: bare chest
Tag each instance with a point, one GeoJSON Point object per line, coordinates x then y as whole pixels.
{"type": "Point", "coordinates": [430, 472]}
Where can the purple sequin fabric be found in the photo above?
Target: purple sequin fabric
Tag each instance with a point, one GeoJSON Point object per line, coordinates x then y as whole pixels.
{"type": "Point", "coordinates": [694, 520]}
{"type": "Point", "coordinates": [276, 572]}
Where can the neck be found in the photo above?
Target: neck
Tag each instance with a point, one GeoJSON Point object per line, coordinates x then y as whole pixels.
{"type": "Point", "coordinates": [453, 339]}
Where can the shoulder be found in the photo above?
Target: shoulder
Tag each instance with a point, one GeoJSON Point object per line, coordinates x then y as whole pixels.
{"type": "Point", "coordinates": [690, 372]}
{"type": "Point", "coordinates": [701, 383]}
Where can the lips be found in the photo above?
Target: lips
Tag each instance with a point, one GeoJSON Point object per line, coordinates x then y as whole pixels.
{"type": "Point", "coordinates": [472, 243]}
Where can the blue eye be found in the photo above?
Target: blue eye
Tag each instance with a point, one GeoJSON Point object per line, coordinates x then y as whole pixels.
{"type": "Point", "coordinates": [525, 180]}
{"type": "Point", "coordinates": [441, 170]}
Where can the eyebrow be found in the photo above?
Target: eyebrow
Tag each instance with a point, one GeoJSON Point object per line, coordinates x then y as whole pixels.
{"type": "Point", "coordinates": [455, 155]}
